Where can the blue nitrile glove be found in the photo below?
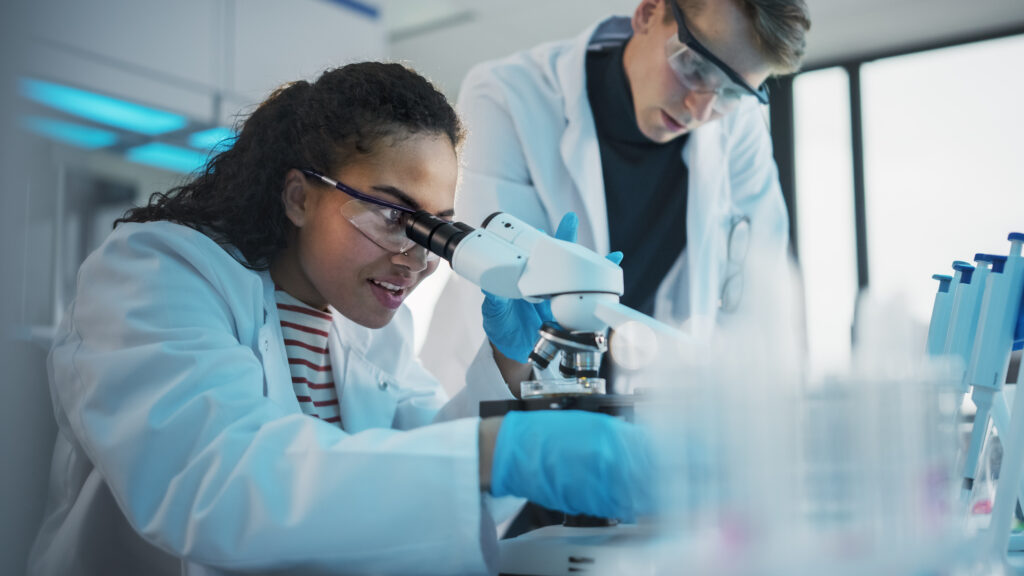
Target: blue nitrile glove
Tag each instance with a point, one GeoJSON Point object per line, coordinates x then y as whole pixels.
{"type": "Point", "coordinates": [576, 462]}
{"type": "Point", "coordinates": [511, 324]}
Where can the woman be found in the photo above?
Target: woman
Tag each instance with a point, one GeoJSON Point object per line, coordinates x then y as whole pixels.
{"type": "Point", "coordinates": [235, 383]}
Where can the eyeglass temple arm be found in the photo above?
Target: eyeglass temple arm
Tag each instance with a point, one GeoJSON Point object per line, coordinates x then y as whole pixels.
{"type": "Point", "coordinates": [355, 193]}
{"type": "Point", "coordinates": [320, 177]}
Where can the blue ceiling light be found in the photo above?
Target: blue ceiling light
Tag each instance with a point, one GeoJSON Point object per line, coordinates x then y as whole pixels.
{"type": "Point", "coordinates": [70, 133]}
{"type": "Point", "coordinates": [359, 6]}
{"type": "Point", "coordinates": [215, 139]}
{"type": "Point", "coordinates": [103, 109]}
{"type": "Point", "coordinates": [174, 158]}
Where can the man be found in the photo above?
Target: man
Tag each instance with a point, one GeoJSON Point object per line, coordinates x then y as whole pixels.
{"type": "Point", "coordinates": [651, 130]}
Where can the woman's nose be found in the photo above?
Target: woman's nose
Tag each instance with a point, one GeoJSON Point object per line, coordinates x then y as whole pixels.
{"type": "Point", "coordinates": [415, 259]}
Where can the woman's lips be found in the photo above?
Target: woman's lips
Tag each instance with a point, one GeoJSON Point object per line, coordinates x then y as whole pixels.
{"type": "Point", "coordinates": [387, 298]}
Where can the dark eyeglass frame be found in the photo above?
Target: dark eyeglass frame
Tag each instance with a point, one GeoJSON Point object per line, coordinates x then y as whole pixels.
{"type": "Point", "coordinates": [687, 39]}
{"type": "Point", "coordinates": [356, 193]}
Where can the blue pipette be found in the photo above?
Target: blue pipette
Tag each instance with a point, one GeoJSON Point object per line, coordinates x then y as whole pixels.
{"type": "Point", "coordinates": [990, 354]}
{"type": "Point", "coordinates": [1004, 333]}
{"type": "Point", "coordinates": [963, 320]}
{"type": "Point", "coordinates": [941, 309]}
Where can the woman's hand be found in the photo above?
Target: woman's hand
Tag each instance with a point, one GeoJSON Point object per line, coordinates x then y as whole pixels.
{"type": "Point", "coordinates": [512, 324]}
{"type": "Point", "coordinates": [572, 461]}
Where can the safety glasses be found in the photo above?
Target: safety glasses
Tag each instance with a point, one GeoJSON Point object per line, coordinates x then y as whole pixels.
{"type": "Point", "coordinates": [699, 70]}
{"type": "Point", "coordinates": [379, 220]}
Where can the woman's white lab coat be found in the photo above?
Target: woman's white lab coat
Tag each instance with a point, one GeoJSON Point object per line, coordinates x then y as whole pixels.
{"type": "Point", "coordinates": [532, 151]}
{"type": "Point", "coordinates": [178, 422]}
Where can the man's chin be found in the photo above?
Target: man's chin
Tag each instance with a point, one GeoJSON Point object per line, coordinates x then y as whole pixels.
{"type": "Point", "coordinates": [662, 135]}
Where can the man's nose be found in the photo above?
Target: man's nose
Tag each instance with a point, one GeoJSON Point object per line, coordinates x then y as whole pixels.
{"type": "Point", "coordinates": [700, 105]}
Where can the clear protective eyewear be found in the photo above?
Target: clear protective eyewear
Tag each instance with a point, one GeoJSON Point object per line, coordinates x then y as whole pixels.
{"type": "Point", "coordinates": [381, 221]}
{"type": "Point", "coordinates": [699, 70]}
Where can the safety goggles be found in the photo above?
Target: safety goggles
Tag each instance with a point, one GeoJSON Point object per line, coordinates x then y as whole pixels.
{"type": "Point", "coordinates": [379, 220]}
{"type": "Point", "coordinates": [699, 70]}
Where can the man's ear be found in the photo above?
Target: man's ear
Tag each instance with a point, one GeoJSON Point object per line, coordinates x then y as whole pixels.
{"type": "Point", "coordinates": [645, 15]}
{"type": "Point", "coordinates": [295, 195]}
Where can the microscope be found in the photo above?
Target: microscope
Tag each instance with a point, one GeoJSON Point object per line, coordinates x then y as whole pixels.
{"type": "Point", "coordinates": [507, 257]}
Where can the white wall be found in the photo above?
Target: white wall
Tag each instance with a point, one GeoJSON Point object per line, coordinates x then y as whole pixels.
{"type": "Point", "coordinates": [23, 404]}
{"type": "Point", "coordinates": [498, 28]}
{"type": "Point", "coordinates": [840, 28]}
{"type": "Point", "coordinates": [202, 58]}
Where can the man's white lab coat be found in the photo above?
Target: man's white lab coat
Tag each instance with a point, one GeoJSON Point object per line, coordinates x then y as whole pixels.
{"type": "Point", "coordinates": [532, 151]}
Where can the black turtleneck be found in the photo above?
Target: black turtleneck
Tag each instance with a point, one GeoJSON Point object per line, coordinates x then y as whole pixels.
{"type": "Point", "coordinates": [644, 182]}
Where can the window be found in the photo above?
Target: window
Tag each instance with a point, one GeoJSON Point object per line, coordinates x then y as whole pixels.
{"type": "Point", "coordinates": [943, 178]}
{"type": "Point", "coordinates": [825, 214]}
{"type": "Point", "coordinates": [943, 162]}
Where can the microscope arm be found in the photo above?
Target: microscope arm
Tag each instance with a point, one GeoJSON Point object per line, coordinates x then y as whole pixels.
{"type": "Point", "coordinates": [510, 258]}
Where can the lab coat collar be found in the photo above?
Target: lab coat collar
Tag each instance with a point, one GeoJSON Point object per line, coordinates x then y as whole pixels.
{"type": "Point", "coordinates": [277, 376]}
{"type": "Point", "coordinates": [277, 373]}
{"type": "Point", "coordinates": [708, 197]}
{"type": "Point", "coordinates": [578, 146]}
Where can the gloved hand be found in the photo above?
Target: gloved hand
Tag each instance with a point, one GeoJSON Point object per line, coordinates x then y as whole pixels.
{"type": "Point", "coordinates": [575, 462]}
{"type": "Point", "coordinates": [511, 324]}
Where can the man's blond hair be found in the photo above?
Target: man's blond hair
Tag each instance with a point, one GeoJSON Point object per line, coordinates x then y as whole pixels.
{"type": "Point", "coordinates": [780, 28]}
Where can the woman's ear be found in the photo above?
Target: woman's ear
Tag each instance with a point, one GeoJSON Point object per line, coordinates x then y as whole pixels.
{"type": "Point", "coordinates": [296, 197]}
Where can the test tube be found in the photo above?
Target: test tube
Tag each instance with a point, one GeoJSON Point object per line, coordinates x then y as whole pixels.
{"type": "Point", "coordinates": [939, 325]}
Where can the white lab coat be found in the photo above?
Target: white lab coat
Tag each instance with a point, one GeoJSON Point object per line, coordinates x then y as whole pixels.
{"type": "Point", "coordinates": [532, 151]}
{"type": "Point", "coordinates": [178, 422]}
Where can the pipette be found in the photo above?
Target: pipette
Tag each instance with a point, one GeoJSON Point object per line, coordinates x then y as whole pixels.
{"type": "Point", "coordinates": [1013, 440]}
{"type": "Point", "coordinates": [990, 357]}
{"type": "Point", "coordinates": [962, 345]}
{"type": "Point", "coordinates": [941, 309]}
{"type": "Point", "coordinates": [963, 319]}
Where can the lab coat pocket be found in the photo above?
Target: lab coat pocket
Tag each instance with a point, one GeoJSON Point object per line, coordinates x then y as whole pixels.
{"type": "Point", "coordinates": [368, 395]}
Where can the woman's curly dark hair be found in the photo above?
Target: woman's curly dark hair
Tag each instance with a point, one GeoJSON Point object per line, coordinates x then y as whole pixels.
{"type": "Point", "coordinates": [346, 112]}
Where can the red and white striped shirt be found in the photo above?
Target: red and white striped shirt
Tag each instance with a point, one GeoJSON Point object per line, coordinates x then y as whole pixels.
{"type": "Point", "coordinates": [305, 332]}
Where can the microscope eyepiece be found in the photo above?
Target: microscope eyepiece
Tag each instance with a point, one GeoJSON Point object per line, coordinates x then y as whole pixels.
{"type": "Point", "coordinates": [437, 235]}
